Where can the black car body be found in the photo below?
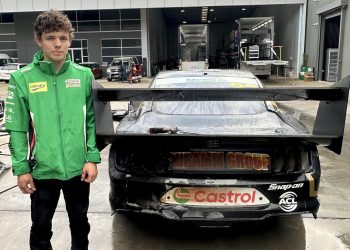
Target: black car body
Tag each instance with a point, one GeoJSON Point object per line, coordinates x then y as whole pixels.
{"type": "Point", "coordinates": [212, 159]}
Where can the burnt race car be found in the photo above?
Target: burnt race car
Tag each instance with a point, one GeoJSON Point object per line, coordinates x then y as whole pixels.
{"type": "Point", "coordinates": [209, 146]}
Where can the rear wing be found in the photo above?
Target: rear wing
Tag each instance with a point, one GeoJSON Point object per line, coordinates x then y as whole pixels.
{"type": "Point", "coordinates": [328, 127]}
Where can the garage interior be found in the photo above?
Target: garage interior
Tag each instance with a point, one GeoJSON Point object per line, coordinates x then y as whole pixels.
{"type": "Point", "coordinates": [207, 32]}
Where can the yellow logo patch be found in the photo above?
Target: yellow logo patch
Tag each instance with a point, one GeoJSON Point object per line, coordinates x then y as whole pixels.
{"type": "Point", "coordinates": [36, 87]}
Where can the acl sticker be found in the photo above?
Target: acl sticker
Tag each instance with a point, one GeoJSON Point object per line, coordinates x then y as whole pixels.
{"type": "Point", "coordinates": [287, 201]}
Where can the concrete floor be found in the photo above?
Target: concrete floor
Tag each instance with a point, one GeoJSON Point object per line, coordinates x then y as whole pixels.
{"type": "Point", "coordinates": [330, 231]}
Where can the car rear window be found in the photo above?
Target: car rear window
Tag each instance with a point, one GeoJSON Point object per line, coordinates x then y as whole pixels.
{"type": "Point", "coordinates": [116, 63]}
{"type": "Point", "coordinates": [2, 62]}
{"type": "Point", "coordinates": [208, 107]}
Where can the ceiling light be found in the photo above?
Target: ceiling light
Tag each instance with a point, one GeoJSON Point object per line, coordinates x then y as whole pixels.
{"type": "Point", "coordinates": [211, 9]}
{"type": "Point", "coordinates": [184, 22]}
{"type": "Point", "coordinates": [182, 11]}
{"type": "Point", "coordinates": [209, 21]}
{"type": "Point", "coordinates": [244, 9]}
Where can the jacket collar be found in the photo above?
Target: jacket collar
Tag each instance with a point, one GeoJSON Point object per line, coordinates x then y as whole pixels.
{"type": "Point", "coordinates": [48, 67]}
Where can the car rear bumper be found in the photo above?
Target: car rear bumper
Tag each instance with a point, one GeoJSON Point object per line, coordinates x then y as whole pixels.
{"type": "Point", "coordinates": [142, 195]}
{"type": "Point", "coordinates": [114, 75]}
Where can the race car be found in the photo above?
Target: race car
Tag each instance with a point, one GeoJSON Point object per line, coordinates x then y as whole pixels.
{"type": "Point", "coordinates": [209, 146]}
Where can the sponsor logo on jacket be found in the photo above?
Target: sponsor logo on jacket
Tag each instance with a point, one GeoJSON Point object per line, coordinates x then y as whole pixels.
{"type": "Point", "coordinates": [72, 83]}
{"type": "Point", "coordinates": [9, 95]}
{"type": "Point", "coordinates": [36, 87]}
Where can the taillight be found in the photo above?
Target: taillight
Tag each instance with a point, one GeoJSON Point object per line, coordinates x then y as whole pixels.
{"type": "Point", "coordinates": [290, 159]}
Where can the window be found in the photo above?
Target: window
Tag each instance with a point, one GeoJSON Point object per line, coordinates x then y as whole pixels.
{"type": "Point", "coordinates": [89, 26]}
{"type": "Point", "coordinates": [111, 43]}
{"type": "Point", "coordinates": [130, 25]}
{"type": "Point", "coordinates": [88, 15]}
{"type": "Point", "coordinates": [83, 45]}
{"type": "Point", "coordinates": [131, 51]}
{"type": "Point", "coordinates": [105, 20]}
{"type": "Point", "coordinates": [111, 51]}
{"type": "Point", "coordinates": [8, 45]}
{"type": "Point", "coordinates": [111, 48]}
{"type": "Point", "coordinates": [110, 25]}
{"type": "Point", "coordinates": [110, 14]}
{"type": "Point", "coordinates": [6, 18]}
{"type": "Point", "coordinates": [130, 14]}
{"type": "Point", "coordinates": [72, 15]}
{"type": "Point", "coordinates": [131, 42]}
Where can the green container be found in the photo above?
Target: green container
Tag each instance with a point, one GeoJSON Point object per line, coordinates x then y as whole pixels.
{"type": "Point", "coordinates": [303, 69]}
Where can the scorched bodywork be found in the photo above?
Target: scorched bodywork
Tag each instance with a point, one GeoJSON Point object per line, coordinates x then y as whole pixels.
{"type": "Point", "coordinates": [209, 146]}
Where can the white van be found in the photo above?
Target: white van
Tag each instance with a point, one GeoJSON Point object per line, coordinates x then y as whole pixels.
{"type": "Point", "coordinates": [4, 59]}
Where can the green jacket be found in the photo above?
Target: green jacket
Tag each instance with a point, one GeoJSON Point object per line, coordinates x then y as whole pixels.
{"type": "Point", "coordinates": [60, 108]}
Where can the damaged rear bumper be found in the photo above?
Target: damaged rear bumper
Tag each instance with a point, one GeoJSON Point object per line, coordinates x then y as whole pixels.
{"type": "Point", "coordinates": [144, 195]}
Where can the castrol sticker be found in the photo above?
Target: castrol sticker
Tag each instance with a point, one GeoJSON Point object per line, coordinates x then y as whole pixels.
{"type": "Point", "coordinates": [214, 196]}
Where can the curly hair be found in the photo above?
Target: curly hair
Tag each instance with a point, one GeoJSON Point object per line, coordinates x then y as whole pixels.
{"type": "Point", "coordinates": [52, 21]}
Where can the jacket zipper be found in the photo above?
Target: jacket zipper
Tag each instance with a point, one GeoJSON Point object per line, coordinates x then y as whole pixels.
{"type": "Point", "coordinates": [59, 124]}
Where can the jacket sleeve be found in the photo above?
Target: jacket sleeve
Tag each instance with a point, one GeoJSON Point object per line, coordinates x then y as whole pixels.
{"type": "Point", "coordinates": [19, 152]}
{"type": "Point", "coordinates": [17, 124]}
{"type": "Point", "coordinates": [93, 154]}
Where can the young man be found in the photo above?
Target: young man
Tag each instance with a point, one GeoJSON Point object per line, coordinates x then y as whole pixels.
{"type": "Point", "coordinates": [52, 95]}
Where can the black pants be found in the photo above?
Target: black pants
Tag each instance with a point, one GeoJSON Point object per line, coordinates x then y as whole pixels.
{"type": "Point", "coordinates": [43, 205]}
